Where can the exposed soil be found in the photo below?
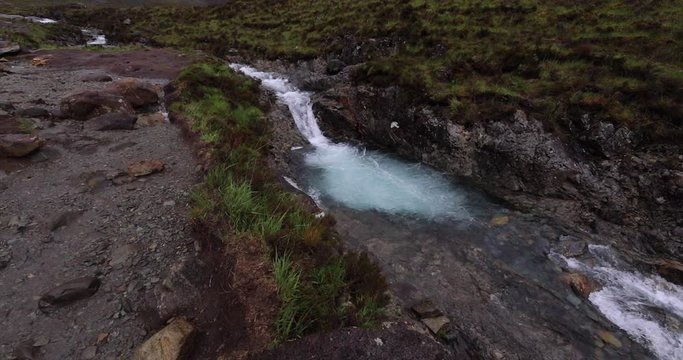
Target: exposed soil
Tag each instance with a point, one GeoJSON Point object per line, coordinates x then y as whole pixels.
{"type": "Point", "coordinates": [64, 215]}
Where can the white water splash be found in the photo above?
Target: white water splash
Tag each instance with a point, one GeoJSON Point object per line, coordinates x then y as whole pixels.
{"type": "Point", "coordinates": [360, 179]}
{"type": "Point", "coordinates": [637, 303]}
{"type": "Point", "coordinates": [96, 38]}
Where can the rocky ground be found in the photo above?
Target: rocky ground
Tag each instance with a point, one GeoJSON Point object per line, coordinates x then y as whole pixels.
{"type": "Point", "coordinates": [98, 259]}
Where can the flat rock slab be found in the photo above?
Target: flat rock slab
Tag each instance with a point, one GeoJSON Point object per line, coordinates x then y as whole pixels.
{"type": "Point", "coordinates": [70, 291]}
{"type": "Point", "coordinates": [426, 309]}
{"type": "Point", "coordinates": [435, 324]}
{"type": "Point", "coordinates": [144, 168]}
{"type": "Point", "coordinates": [170, 343]}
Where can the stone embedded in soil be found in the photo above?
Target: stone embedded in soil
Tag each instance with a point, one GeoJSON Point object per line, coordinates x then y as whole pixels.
{"type": "Point", "coordinates": [170, 343]}
{"type": "Point", "coordinates": [426, 309]}
{"type": "Point", "coordinates": [137, 93]}
{"type": "Point", "coordinates": [112, 121]}
{"type": "Point", "coordinates": [88, 104]}
{"type": "Point", "coordinates": [122, 254]}
{"type": "Point", "coordinates": [435, 324]}
{"type": "Point", "coordinates": [19, 145]}
{"type": "Point", "coordinates": [580, 284]}
{"type": "Point", "coordinates": [151, 119]}
{"type": "Point", "coordinates": [144, 168]}
{"type": "Point", "coordinates": [96, 77]}
{"type": "Point", "coordinates": [70, 291]}
{"type": "Point", "coordinates": [34, 112]}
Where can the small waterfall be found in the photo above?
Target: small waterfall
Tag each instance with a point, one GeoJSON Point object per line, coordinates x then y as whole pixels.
{"type": "Point", "coordinates": [648, 308]}
{"type": "Point", "coordinates": [362, 179]}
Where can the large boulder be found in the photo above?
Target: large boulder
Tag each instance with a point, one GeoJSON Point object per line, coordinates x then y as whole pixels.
{"type": "Point", "coordinates": [170, 343]}
{"type": "Point", "coordinates": [112, 121]}
{"type": "Point", "coordinates": [19, 145]}
{"type": "Point", "coordinates": [88, 104]}
{"type": "Point", "coordinates": [137, 93]}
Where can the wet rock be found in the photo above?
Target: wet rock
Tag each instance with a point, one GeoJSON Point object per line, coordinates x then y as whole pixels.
{"type": "Point", "coordinates": [34, 112]}
{"type": "Point", "coordinates": [151, 119]}
{"type": "Point", "coordinates": [609, 338]}
{"type": "Point", "coordinates": [112, 121]}
{"type": "Point", "coordinates": [435, 324]}
{"type": "Point", "coordinates": [7, 49]}
{"type": "Point", "coordinates": [19, 145]}
{"type": "Point", "coordinates": [500, 220]}
{"type": "Point", "coordinates": [334, 67]}
{"type": "Point", "coordinates": [170, 343]}
{"type": "Point", "coordinates": [571, 247]}
{"type": "Point", "coordinates": [69, 292]}
{"type": "Point", "coordinates": [426, 309]}
{"type": "Point", "coordinates": [144, 168]}
{"type": "Point", "coordinates": [137, 93]}
{"type": "Point", "coordinates": [580, 284]}
{"type": "Point", "coordinates": [88, 104]}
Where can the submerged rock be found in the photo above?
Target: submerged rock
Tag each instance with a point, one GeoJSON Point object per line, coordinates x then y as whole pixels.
{"type": "Point", "coordinates": [170, 343]}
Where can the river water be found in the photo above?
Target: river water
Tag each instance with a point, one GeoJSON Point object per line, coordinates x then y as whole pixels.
{"type": "Point", "coordinates": [493, 270]}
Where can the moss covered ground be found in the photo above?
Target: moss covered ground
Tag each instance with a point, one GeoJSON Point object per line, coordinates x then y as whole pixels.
{"type": "Point", "coordinates": [321, 287]}
{"type": "Point", "coordinates": [617, 60]}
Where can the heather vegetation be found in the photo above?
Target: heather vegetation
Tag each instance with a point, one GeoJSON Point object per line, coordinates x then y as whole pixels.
{"type": "Point", "coordinates": [616, 60]}
{"type": "Point", "coordinates": [320, 287]}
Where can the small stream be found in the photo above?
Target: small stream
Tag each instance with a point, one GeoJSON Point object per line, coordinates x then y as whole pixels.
{"type": "Point", "coordinates": [493, 270]}
{"type": "Point", "coordinates": [94, 36]}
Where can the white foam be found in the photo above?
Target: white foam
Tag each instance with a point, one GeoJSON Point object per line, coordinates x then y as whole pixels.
{"type": "Point", "coordinates": [364, 180]}
{"type": "Point", "coordinates": [637, 303]}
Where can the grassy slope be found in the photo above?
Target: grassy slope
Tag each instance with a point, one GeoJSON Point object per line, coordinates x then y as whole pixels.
{"type": "Point", "coordinates": [320, 287]}
{"type": "Point", "coordinates": [618, 60]}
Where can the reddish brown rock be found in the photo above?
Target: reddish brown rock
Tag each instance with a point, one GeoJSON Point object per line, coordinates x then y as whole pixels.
{"type": "Point", "coordinates": [151, 119]}
{"type": "Point", "coordinates": [144, 168]}
{"type": "Point", "coordinates": [580, 284]}
{"type": "Point", "coordinates": [19, 145]}
{"type": "Point", "coordinates": [137, 93]}
{"type": "Point", "coordinates": [88, 104]}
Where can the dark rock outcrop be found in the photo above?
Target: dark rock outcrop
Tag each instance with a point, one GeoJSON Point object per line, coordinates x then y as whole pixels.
{"type": "Point", "coordinates": [596, 178]}
{"type": "Point", "coordinates": [7, 49]}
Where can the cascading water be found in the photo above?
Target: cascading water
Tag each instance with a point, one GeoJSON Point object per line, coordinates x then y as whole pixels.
{"type": "Point", "coordinates": [363, 179]}
{"type": "Point", "coordinates": [648, 308]}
